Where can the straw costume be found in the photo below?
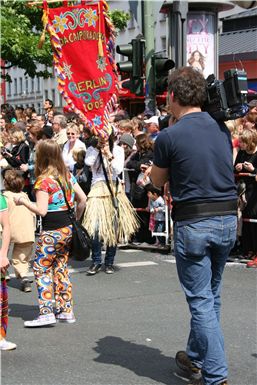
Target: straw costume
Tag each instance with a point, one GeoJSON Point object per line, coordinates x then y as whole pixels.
{"type": "Point", "coordinates": [111, 224]}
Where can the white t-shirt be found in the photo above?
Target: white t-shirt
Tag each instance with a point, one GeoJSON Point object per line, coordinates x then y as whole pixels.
{"type": "Point", "coordinates": [92, 159]}
{"type": "Point", "coordinates": [67, 155]}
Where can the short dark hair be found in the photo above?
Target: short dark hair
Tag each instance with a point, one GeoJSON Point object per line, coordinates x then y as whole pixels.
{"type": "Point", "coordinates": [188, 87]}
{"type": "Point", "coordinates": [50, 102]}
{"type": "Point", "coordinates": [154, 190]}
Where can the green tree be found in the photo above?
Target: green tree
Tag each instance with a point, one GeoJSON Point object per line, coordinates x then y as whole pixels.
{"type": "Point", "coordinates": [21, 28]}
{"type": "Point", "coordinates": [119, 19]}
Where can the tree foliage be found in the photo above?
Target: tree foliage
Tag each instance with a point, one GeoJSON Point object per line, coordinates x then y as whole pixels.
{"type": "Point", "coordinates": [119, 19]}
{"type": "Point", "coordinates": [21, 28]}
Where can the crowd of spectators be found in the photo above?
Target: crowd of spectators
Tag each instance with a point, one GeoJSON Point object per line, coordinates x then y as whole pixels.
{"type": "Point", "coordinates": [22, 131]}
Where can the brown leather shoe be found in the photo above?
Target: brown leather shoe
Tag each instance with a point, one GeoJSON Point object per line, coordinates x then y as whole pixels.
{"type": "Point", "coordinates": [184, 363]}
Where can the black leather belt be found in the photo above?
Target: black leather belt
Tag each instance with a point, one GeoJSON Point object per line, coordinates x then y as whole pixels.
{"type": "Point", "coordinates": [189, 210]}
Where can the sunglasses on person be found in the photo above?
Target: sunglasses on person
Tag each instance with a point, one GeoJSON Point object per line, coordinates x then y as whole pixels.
{"type": "Point", "coordinates": [71, 133]}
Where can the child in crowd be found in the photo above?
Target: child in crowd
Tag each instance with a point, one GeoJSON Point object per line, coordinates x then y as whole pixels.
{"type": "Point", "coordinates": [78, 155]}
{"type": "Point", "coordinates": [22, 224]}
{"type": "Point", "coordinates": [157, 208]}
{"type": "Point", "coordinates": [81, 171]}
{"type": "Point", "coordinates": [127, 142]}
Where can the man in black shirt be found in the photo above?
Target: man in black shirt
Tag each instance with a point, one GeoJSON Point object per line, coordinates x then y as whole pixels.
{"type": "Point", "coordinates": [195, 156]}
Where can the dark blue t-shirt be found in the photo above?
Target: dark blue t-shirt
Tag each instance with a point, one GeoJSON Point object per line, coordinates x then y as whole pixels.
{"type": "Point", "coordinates": [198, 152]}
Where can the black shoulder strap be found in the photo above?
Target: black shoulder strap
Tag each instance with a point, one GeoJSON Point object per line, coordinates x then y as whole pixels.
{"type": "Point", "coordinates": [114, 199]}
{"type": "Point", "coordinates": [64, 194]}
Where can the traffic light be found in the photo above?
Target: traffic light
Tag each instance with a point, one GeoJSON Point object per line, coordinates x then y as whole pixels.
{"type": "Point", "coordinates": [161, 67]}
{"type": "Point", "coordinates": [134, 66]}
{"type": "Point", "coordinates": [125, 50]}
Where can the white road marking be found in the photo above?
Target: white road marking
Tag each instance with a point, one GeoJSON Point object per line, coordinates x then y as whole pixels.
{"type": "Point", "coordinates": [135, 264]}
{"type": "Point", "coordinates": [131, 264]}
{"type": "Point", "coordinates": [85, 268]}
{"type": "Point", "coordinates": [131, 251]}
{"type": "Point", "coordinates": [228, 264]}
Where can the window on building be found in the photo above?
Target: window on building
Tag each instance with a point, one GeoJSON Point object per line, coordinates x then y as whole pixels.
{"type": "Point", "coordinates": [53, 95]}
{"type": "Point", "coordinates": [32, 85]}
{"type": "Point", "coordinates": [131, 23]}
{"type": "Point", "coordinates": [46, 94]}
{"type": "Point", "coordinates": [9, 92]}
{"type": "Point", "coordinates": [163, 42]}
{"type": "Point", "coordinates": [26, 85]}
{"type": "Point", "coordinates": [21, 85]}
{"type": "Point", "coordinates": [38, 84]}
{"type": "Point", "coordinates": [39, 108]}
{"type": "Point", "coordinates": [60, 100]}
{"type": "Point", "coordinates": [15, 86]}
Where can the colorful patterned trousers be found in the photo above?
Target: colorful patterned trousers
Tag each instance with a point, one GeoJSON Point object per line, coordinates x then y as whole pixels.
{"type": "Point", "coordinates": [3, 307]}
{"type": "Point", "coordinates": [51, 270]}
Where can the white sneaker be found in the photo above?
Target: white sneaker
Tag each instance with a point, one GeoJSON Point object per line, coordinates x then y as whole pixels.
{"type": "Point", "coordinates": [7, 345]}
{"type": "Point", "coordinates": [42, 320]}
{"type": "Point", "coordinates": [66, 317]}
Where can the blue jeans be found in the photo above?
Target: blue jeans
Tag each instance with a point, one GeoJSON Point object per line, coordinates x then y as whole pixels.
{"type": "Point", "coordinates": [159, 227]}
{"type": "Point", "coordinates": [201, 250]}
{"type": "Point", "coordinates": [97, 253]}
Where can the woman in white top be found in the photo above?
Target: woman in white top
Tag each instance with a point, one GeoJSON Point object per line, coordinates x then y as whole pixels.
{"type": "Point", "coordinates": [109, 216]}
{"type": "Point", "coordinates": [72, 142]}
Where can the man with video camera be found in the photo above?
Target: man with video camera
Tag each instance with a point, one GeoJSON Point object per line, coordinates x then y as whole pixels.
{"type": "Point", "coordinates": [195, 156]}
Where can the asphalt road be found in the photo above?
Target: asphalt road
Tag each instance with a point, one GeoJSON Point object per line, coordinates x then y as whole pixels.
{"type": "Point", "coordinates": [129, 327]}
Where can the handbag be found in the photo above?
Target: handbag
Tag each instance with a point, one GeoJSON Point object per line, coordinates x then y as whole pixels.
{"type": "Point", "coordinates": [80, 242]}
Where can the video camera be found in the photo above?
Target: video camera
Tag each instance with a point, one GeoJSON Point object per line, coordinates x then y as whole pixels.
{"type": "Point", "coordinates": [227, 99]}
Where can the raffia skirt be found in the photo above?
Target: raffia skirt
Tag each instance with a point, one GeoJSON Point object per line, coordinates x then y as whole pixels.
{"type": "Point", "coordinates": [103, 220]}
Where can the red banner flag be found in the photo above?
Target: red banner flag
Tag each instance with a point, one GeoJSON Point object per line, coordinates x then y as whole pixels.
{"type": "Point", "coordinates": [82, 38]}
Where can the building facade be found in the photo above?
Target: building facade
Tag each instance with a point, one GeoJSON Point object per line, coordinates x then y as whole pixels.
{"type": "Point", "coordinates": [28, 92]}
{"type": "Point", "coordinates": [237, 44]}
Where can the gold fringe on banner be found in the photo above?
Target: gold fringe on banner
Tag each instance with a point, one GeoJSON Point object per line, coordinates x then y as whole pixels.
{"type": "Point", "coordinates": [100, 43]}
{"type": "Point", "coordinates": [43, 35]}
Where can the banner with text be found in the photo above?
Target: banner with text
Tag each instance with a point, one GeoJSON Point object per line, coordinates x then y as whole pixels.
{"type": "Point", "coordinates": [82, 39]}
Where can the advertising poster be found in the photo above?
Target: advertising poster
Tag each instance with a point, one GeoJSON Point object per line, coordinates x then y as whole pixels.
{"type": "Point", "coordinates": [201, 42]}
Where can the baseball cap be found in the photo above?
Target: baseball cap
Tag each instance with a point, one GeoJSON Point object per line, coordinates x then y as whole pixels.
{"type": "Point", "coordinates": [153, 119]}
{"type": "Point", "coordinates": [252, 103]}
{"type": "Point", "coordinates": [127, 139]}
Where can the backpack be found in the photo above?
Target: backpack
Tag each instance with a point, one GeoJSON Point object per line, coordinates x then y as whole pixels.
{"type": "Point", "coordinates": [84, 178]}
